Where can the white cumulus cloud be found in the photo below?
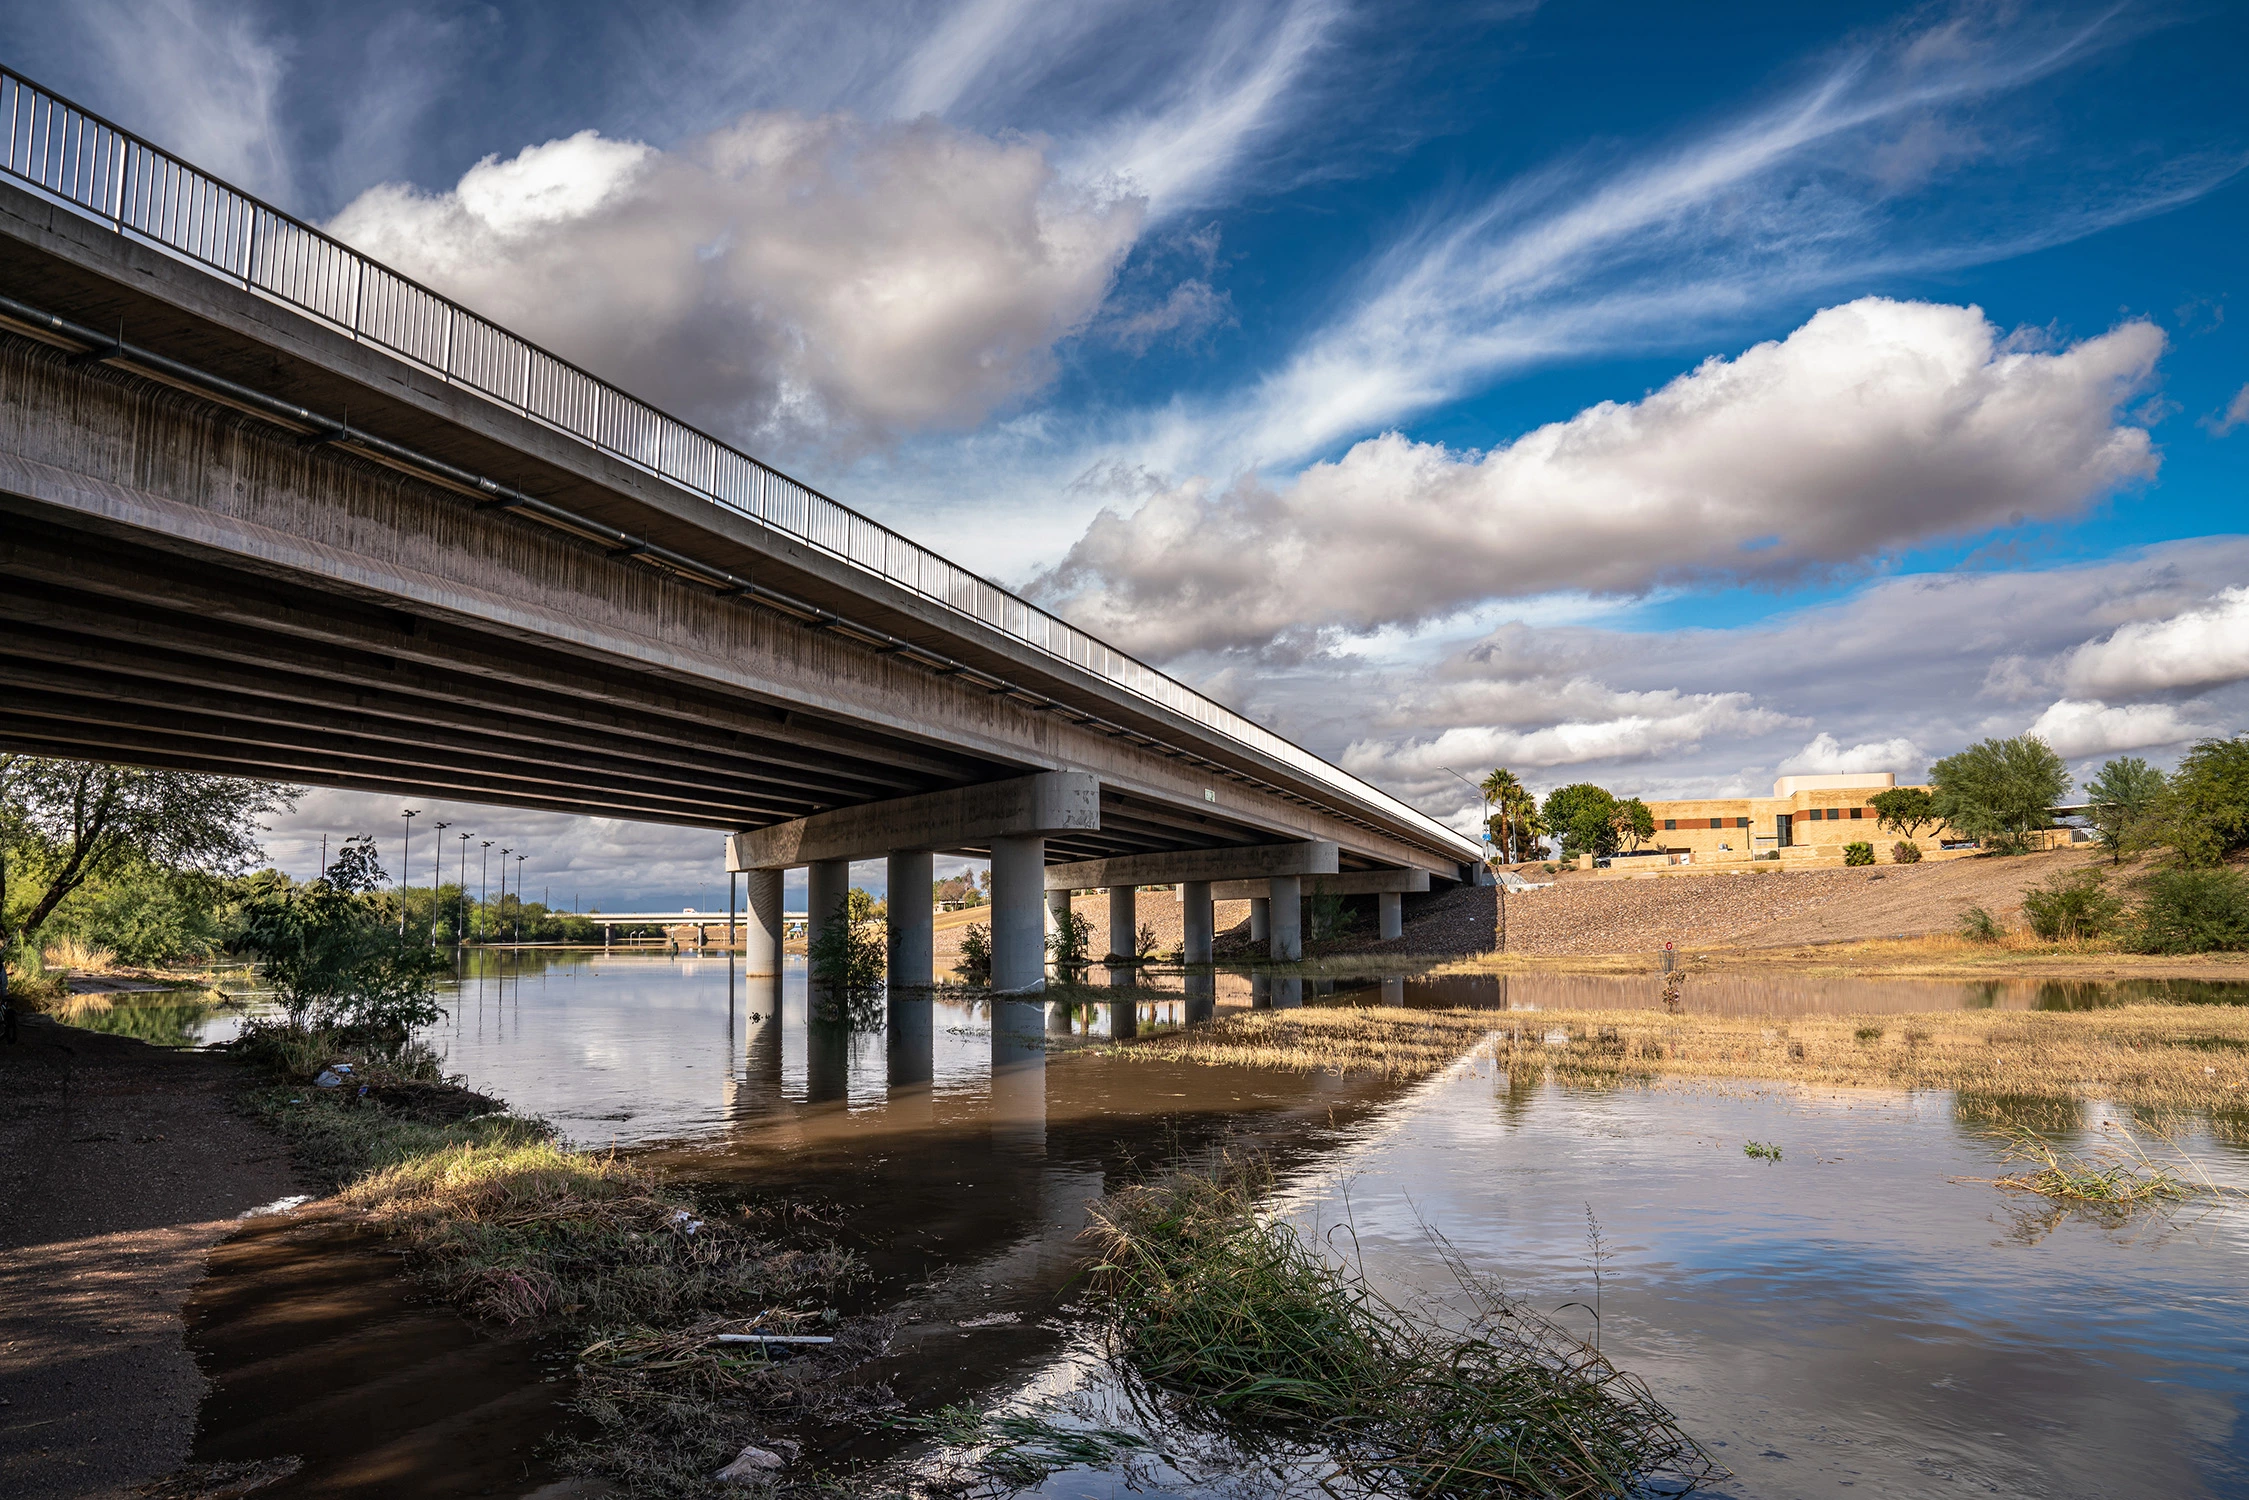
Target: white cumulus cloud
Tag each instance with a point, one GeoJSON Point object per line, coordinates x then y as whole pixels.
{"type": "Point", "coordinates": [1876, 425]}
{"type": "Point", "coordinates": [2077, 727]}
{"type": "Point", "coordinates": [787, 274]}
{"type": "Point", "coordinates": [2198, 648]}
{"type": "Point", "coordinates": [1827, 756]}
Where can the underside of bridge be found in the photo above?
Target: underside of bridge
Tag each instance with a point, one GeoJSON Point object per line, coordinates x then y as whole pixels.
{"type": "Point", "coordinates": [214, 557]}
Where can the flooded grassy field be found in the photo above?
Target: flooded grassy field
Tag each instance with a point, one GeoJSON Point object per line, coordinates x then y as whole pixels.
{"type": "Point", "coordinates": [1857, 1308]}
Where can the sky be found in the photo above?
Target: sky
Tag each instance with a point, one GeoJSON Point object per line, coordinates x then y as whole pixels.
{"type": "Point", "coordinates": [1653, 395]}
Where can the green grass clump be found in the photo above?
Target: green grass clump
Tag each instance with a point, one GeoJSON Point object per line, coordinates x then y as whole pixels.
{"type": "Point", "coordinates": [1214, 1303]}
{"type": "Point", "coordinates": [1761, 1150]}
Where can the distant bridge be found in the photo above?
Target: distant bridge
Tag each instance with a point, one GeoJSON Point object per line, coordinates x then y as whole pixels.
{"type": "Point", "coordinates": [273, 509]}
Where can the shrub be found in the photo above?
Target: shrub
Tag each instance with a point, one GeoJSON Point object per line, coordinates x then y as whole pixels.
{"type": "Point", "coordinates": [976, 954]}
{"type": "Point", "coordinates": [1858, 852]}
{"type": "Point", "coordinates": [2191, 911]}
{"type": "Point", "coordinates": [1071, 940]}
{"type": "Point", "coordinates": [847, 962]}
{"type": "Point", "coordinates": [1905, 852]}
{"type": "Point", "coordinates": [1980, 926]}
{"type": "Point", "coordinates": [2072, 907]}
{"type": "Point", "coordinates": [331, 954]}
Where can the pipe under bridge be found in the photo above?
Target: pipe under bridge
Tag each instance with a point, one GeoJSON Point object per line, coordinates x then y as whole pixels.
{"type": "Point", "coordinates": [271, 509]}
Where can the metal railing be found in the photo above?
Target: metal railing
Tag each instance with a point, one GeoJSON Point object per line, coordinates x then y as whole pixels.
{"type": "Point", "coordinates": [113, 176]}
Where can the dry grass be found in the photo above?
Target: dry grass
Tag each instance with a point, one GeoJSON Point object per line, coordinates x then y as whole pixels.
{"type": "Point", "coordinates": [2118, 1175]}
{"type": "Point", "coordinates": [72, 955]}
{"type": "Point", "coordinates": [2017, 954]}
{"type": "Point", "coordinates": [2152, 1056]}
{"type": "Point", "coordinates": [1393, 1042]}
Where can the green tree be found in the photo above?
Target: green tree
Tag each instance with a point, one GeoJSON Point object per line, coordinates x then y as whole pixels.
{"type": "Point", "coordinates": [2127, 801]}
{"type": "Point", "coordinates": [1584, 817]}
{"type": "Point", "coordinates": [1999, 790]}
{"type": "Point", "coordinates": [68, 822]}
{"type": "Point", "coordinates": [333, 953]}
{"type": "Point", "coordinates": [1635, 825]}
{"type": "Point", "coordinates": [1904, 809]}
{"type": "Point", "coordinates": [1514, 814]}
{"type": "Point", "coordinates": [2206, 816]}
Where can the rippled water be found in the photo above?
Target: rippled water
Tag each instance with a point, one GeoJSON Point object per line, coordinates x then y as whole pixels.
{"type": "Point", "coordinates": [1862, 1316]}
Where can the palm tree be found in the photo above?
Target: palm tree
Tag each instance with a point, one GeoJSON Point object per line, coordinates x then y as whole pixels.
{"type": "Point", "coordinates": [1513, 810]}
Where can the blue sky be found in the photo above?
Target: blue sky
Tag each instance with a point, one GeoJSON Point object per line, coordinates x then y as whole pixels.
{"type": "Point", "coordinates": [1635, 393]}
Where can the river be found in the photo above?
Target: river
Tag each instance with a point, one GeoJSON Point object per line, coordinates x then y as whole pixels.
{"type": "Point", "coordinates": [1865, 1315]}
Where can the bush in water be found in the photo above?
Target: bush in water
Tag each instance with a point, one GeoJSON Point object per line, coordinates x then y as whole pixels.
{"type": "Point", "coordinates": [333, 957]}
{"type": "Point", "coordinates": [976, 954]}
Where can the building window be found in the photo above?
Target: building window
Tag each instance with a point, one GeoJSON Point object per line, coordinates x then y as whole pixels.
{"type": "Point", "coordinates": [1858, 812]}
{"type": "Point", "coordinates": [1741, 822]}
{"type": "Point", "coordinates": [1717, 822]}
{"type": "Point", "coordinates": [1670, 823]}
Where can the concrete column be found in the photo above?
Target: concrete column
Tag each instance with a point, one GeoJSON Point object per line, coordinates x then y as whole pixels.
{"type": "Point", "coordinates": [826, 884]}
{"type": "Point", "coordinates": [761, 922]}
{"type": "Point", "coordinates": [1260, 919]}
{"type": "Point", "coordinates": [1124, 1019]}
{"type": "Point", "coordinates": [1392, 908]}
{"type": "Point", "coordinates": [1057, 912]}
{"type": "Point", "coordinates": [1194, 896]}
{"type": "Point", "coordinates": [1260, 991]}
{"type": "Point", "coordinates": [912, 924]}
{"type": "Point", "coordinates": [1124, 919]}
{"type": "Point", "coordinates": [1018, 923]}
{"type": "Point", "coordinates": [1288, 918]}
{"type": "Point", "coordinates": [1286, 993]}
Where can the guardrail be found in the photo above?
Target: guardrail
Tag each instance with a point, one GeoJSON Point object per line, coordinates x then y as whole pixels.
{"type": "Point", "coordinates": [113, 176]}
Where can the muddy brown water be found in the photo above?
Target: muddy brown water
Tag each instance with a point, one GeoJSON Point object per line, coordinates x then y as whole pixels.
{"type": "Point", "coordinates": [1865, 1315]}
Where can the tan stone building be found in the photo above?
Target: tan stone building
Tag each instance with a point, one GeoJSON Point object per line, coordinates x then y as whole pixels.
{"type": "Point", "coordinates": [1807, 820]}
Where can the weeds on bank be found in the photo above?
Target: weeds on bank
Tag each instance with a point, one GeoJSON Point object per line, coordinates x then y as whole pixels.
{"type": "Point", "coordinates": [1226, 1315]}
{"type": "Point", "coordinates": [1389, 1040]}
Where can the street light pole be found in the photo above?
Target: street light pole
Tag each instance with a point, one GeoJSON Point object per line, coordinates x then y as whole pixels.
{"type": "Point", "coordinates": [461, 906]}
{"type": "Point", "coordinates": [519, 859]}
{"type": "Point", "coordinates": [436, 878]}
{"type": "Point", "coordinates": [483, 885]}
{"type": "Point", "coordinates": [504, 853]}
{"type": "Point", "coordinates": [406, 850]}
{"type": "Point", "coordinates": [1487, 801]}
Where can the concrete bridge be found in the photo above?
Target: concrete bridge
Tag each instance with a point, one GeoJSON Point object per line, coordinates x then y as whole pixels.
{"type": "Point", "coordinates": [269, 508]}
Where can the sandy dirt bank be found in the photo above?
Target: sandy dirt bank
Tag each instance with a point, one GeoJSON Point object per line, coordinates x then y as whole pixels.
{"type": "Point", "coordinates": [121, 1165]}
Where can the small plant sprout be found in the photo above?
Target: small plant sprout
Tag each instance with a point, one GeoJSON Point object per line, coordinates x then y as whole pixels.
{"type": "Point", "coordinates": [1761, 1150]}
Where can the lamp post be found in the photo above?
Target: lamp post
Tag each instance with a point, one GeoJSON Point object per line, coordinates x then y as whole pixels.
{"type": "Point", "coordinates": [436, 878]}
{"type": "Point", "coordinates": [519, 859]}
{"type": "Point", "coordinates": [461, 905]}
{"type": "Point", "coordinates": [406, 849]}
{"type": "Point", "coordinates": [483, 885]}
{"type": "Point", "coordinates": [505, 851]}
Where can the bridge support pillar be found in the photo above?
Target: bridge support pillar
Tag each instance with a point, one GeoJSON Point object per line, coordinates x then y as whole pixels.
{"type": "Point", "coordinates": [1287, 919]}
{"type": "Point", "coordinates": [1018, 922]}
{"type": "Point", "coordinates": [1057, 911]}
{"type": "Point", "coordinates": [1260, 919]}
{"type": "Point", "coordinates": [912, 931]}
{"type": "Point", "coordinates": [1391, 906]}
{"type": "Point", "coordinates": [1124, 919]}
{"type": "Point", "coordinates": [761, 922]}
{"type": "Point", "coordinates": [1195, 920]}
{"type": "Point", "coordinates": [827, 882]}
